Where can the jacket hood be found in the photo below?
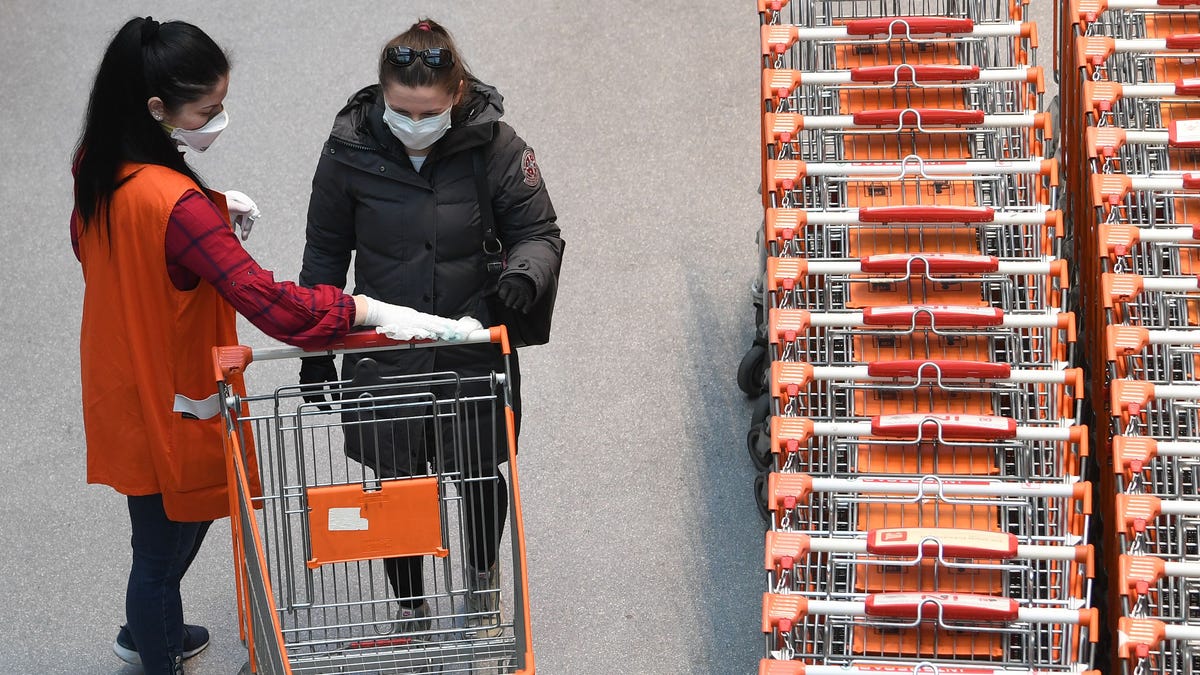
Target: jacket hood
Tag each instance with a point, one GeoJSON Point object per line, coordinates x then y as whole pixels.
{"type": "Point", "coordinates": [359, 121]}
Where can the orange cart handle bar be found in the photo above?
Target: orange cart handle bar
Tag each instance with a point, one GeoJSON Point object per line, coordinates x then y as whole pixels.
{"type": "Point", "coordinates": [235, 358]}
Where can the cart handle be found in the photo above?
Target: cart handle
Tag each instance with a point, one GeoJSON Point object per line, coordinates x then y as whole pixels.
{"type": "Point", "coordinates": [964, 427]}
{"type": "Point", "coordinates": [235, 358]}
{"type": "Point", "coordinates": [909, 25]}
{"type": "Point", "coordinates": [926, 214]}
{"type": "Point", "coordinates": [927, 316]}
{"type": "Point", "coordinates": [775, 667]}
{"type": "Point", "coordinates": [942, 541]}
{"type": "Point", "coordinates": [930, 263]}
{"type": "Point", "coordinates": [941, 368]}
{"type": "Point", "coordinates": [919, 116]}
{"type": "Point", "coordinates": [915, 74]}
{"type": "Point", "coordinates": [949, 606]}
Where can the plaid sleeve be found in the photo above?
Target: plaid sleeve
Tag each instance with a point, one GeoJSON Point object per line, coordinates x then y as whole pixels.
{"type": "Point", "coordinates": [199, 240]}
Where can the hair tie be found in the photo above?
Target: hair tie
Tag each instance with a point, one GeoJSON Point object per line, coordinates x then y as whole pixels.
{"type": "Point", "coordinates": [149, 30]}
{"type": "Point", "coordinates": [424, 26]}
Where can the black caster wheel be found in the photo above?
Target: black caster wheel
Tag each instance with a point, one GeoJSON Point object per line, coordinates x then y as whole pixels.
{"type": "Point", "coordinates": [751, 371]}
{"type": "Point", "coordinates": [758, 439]}
{"type": "Point", "coordinates": [761, 498]}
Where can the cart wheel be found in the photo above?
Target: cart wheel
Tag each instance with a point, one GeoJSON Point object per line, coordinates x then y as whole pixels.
{"type": "Point", "coordinates": [758, 444]}
{"type": "Point", "coordinates": [761, 410]}
{"type": "Point", "coordinates": [760, 496]}
{"type": "Point", "coordinates": [751, 370]}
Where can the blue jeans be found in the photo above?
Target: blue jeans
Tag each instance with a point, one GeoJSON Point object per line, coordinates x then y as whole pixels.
{"type": "Point", "coordinates": [162, 552]}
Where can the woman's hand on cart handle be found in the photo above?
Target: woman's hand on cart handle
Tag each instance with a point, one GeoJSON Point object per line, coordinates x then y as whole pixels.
{"type": "Point", "coordinates": [406, 323]}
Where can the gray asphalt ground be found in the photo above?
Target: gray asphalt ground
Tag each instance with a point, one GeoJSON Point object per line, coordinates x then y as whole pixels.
{"type": "Point", "coordinates": [645, 547]}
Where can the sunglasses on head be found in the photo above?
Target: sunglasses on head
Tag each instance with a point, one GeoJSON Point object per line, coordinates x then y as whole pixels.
{"type": "Point", "coordinates": [404, 57]}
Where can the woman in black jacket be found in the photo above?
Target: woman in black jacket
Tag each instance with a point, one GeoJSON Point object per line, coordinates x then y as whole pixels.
{"type": "Point", "coordinates": [396, 185]}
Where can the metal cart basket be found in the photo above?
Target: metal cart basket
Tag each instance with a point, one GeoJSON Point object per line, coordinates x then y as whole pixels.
{"type": "Point", "coordinates": [312, 550]}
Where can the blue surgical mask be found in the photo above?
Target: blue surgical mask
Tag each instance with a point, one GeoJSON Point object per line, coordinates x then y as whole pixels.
{"type": "Point", "coordinates": [416, 135]}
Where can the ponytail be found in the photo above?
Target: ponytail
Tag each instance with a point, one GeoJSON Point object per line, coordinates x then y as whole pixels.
{"type": "Point", "coordinates": [174, 61]}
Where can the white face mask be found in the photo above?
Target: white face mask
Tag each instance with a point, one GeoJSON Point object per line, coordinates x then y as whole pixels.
{"type": "Point", "coordinates": [200, 139]}
{"type": "Point", "coordinates": [416, 135]}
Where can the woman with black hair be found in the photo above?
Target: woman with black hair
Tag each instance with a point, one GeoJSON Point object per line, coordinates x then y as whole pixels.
{"type": "Point", "coordinates": [415, 166]}
{"type": "Point", "coordinates": [164, 275]}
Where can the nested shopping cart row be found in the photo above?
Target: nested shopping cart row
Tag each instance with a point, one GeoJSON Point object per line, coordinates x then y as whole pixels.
{"type": "Point", "coordinates": [918, 424]}
{"type": "Point", "coordinates": [983, 571]}
{"type": "Point", "coordinates": [1131, 116]}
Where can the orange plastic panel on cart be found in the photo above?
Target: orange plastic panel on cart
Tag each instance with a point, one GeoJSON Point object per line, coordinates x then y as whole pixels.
{"type": "Point", "coordinates": [926, 641]}
{"type": "Point", "coordinates": [928, 576]}
{"type": "Point", "coordinates": [927, 458]}
{"type": "Point", "coordinates": [959, 514]}
{"type": "Point", "coordinates": [401, 518]}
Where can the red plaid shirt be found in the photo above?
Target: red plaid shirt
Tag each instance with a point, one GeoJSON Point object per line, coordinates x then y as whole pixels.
{"type": "Point", "coordinates": [199, 245]}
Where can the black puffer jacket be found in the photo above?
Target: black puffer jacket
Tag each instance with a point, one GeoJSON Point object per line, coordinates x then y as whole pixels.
{"type": "Point", "coordinates": [417, 236]}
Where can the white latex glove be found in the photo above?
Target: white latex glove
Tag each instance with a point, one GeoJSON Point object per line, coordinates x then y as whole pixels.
{"type": "Point", "coordinates": [406, 323]}
{"type": "Point", "coordinates": [242, 212]}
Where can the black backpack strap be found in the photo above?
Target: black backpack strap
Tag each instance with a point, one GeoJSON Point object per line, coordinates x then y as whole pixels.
{"type": "Point", "coordinates": [493, 249]}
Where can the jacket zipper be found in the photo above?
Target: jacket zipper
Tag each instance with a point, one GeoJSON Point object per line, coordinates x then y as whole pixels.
{"type": "Point", "coordinates": [355, 146]}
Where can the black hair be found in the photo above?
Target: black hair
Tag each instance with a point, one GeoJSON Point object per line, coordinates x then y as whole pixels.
{"type": "Point", "coordinates": [424, 34]}
{"type": "Point", "coordinates": [174, 61]}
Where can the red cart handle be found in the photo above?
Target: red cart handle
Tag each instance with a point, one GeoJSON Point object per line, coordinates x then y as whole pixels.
{"type": "Point", "coordinates": [952, 606]}
{"type": "Point", "coordinates": [981, 370]}
{"type": "Point", "coordinates": [941, 316]}
{"type": "Point", "coordinates": [950, 427]}
{"type": "Point", "coordinates": [917, 116]}
{"type": "Point", "coordinates": [1188, 86]}
{"type": "Point", "coordinates": [926, 214]}
{"type": "Point", "coordinates": [1186, 41]}
{"type": "Point", "coordinates": [368, 339]}
{"type": "Point", "coordinates": [930, 263]}
{"type": "Point", "coordinates": [909, 25]}
{"type": "Point", "coordinates": [949, 542]}
{"type": "Point", "coordinates": [912, 74]}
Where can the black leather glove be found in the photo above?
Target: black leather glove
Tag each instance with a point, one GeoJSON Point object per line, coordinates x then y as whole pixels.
{"type": "Point", "coordinates": [517, 292]}
{"type": "Point", "coordinates": [317, 370]}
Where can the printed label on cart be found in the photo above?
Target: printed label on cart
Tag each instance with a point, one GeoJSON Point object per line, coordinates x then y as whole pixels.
{"type": "Point", "coordinates": [347, 519]}
{"type": "Point", "coordinates": [1185, 132]}
{"type": "Point", "coordinates": [952, 542]}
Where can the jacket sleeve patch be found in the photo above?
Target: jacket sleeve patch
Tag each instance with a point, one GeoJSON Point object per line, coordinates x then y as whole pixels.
{"type": "Point", "coordinates": [529, 168]}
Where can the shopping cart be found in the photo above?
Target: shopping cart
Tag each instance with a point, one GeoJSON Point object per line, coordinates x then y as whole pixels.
{"type": "Point", "coordinates": [972, 627]}
{"type": "Point", "coordinates": [926, 559]}
{"type": "Point", "coordinates": [313, 594]}
{"type": "Point", "coordinates": [932, 278]}
{"type": "Point", "coordinates": [832, 233]}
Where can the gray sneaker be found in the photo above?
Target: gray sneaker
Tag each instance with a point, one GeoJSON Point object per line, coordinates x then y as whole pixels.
{"type": "Point", "coordinates": [411, 620]}
{"type": "Point", "coordinates": [483, 602]}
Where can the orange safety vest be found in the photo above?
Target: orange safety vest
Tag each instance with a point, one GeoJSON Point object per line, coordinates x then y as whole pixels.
{"type": "Point", "coordinates": [150, 411]}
